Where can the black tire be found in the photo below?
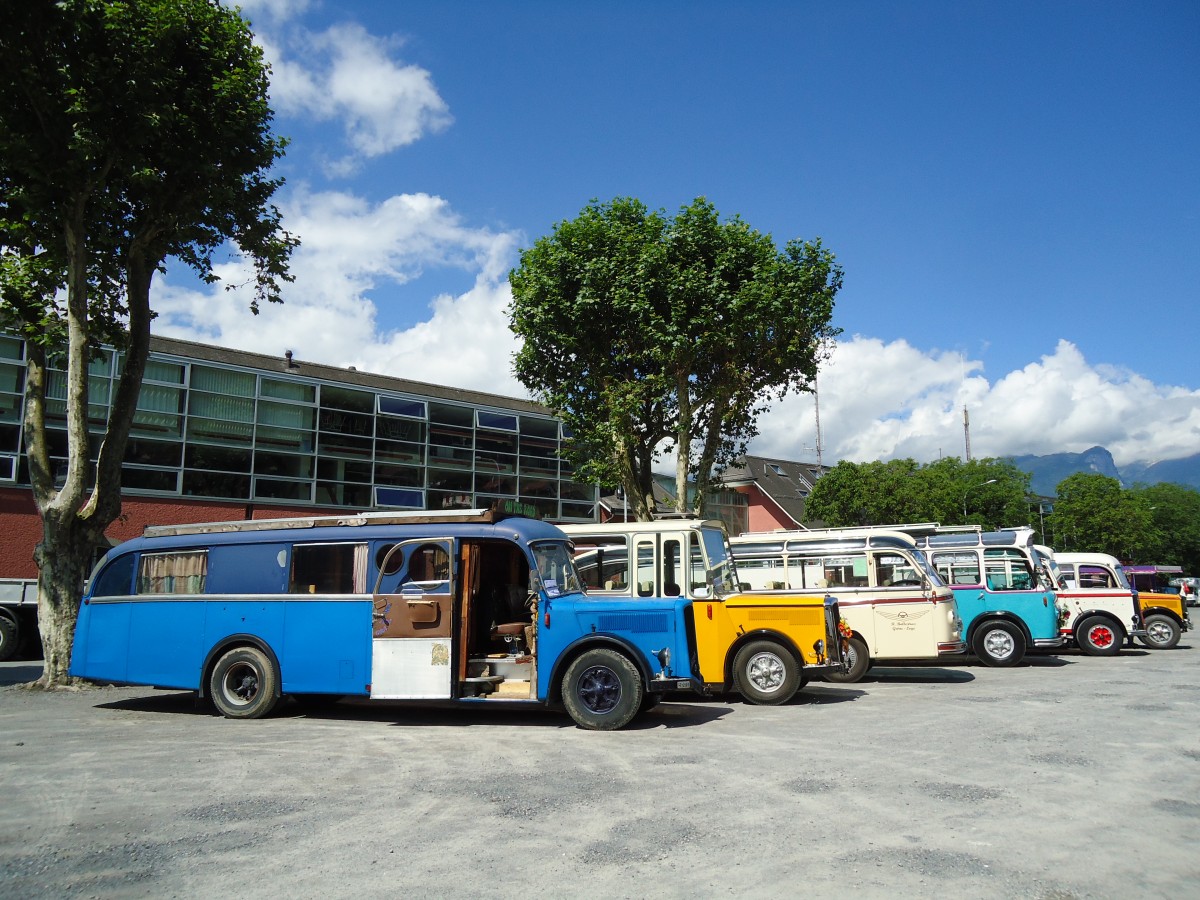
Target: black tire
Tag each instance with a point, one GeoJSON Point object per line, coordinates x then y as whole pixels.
{"type": "Point", "coordinates": [1162, 632]}
{"type": "Point", "coordinates": [765, 673]}
{"type": "Point", "coordinates": [9, 642]}
{"type": "Point", "coordinates": [649, 701]}
{"type": "Point", "coordinates": [244, 684]}
{"type": "Point", "coordinates": [999, 644]}
{"type": "Point", "coordinates": [602, 689]}
{"type": "Point", "coordinates": [1099, 636]}
{"type": "Point", "coordinates": [858, 660]}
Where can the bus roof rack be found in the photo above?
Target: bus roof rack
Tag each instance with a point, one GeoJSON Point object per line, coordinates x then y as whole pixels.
{"type": "Point", "coordinates": [375, 517]}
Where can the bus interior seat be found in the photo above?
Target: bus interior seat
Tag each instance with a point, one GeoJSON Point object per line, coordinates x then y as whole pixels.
{"type": "Point", "coordinates": [510, 617]}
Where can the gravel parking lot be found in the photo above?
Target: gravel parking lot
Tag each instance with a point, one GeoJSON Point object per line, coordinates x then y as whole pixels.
{"type": "Point", "coordinates": [1068, 777]}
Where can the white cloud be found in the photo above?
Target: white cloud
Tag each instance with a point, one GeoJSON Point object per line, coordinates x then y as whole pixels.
{"type": "Point", "coordinates": [347, 75]}
{"type": "Point", "coordinates": [889, 400]}
{"type": "Point", "coordinates": [352, 256]}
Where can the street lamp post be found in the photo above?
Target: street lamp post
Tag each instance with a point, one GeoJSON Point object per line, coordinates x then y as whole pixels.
{"type": "Point", "coordinates": [968, 490]}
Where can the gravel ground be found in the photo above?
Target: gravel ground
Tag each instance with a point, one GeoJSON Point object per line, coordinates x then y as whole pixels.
{"type": "Point", "coordinates": [1066, 777]}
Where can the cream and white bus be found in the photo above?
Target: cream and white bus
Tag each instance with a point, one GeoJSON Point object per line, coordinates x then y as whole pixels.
{"type": "Point", "coordinates": [895, 603]}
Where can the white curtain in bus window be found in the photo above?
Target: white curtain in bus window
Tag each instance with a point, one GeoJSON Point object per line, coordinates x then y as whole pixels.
{"type": "Point", "coordinates": [173, 573]}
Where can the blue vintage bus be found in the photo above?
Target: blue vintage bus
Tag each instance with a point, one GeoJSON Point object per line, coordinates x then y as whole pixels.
{"type": "Point", "coordinates": [472, 606]}
{"type": "Point", "coordinates": [1006, 605]}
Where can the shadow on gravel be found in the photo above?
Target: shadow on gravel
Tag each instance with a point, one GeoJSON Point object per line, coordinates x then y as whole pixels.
{"type": "Point", "coordinates": [916, 673]}
{"type": "Point", "coordinates": [665, 715]}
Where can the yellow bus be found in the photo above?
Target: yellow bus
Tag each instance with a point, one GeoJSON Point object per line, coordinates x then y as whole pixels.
{"type": "Point", "coordinates": [763, 646]}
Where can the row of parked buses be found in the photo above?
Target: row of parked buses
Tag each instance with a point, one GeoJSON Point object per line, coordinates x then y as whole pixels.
{"type": "Point", "coordinates": [491, 607]}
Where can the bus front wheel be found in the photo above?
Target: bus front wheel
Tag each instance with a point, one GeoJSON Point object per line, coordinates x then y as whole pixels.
{"type": "Point", "coordinates": [602, 689]}
{"type": "Point", "coordinates": [858, 660]}
{"type": "Point", "coordinates": [244, 684]}
{"type": "Point", "coordinates": [1098, 636]}
{"type": "Point", "coordinates": [999, 644]}
{"type": "Point", "coordinates": [766, 673]}
{"type": "Point", "coordinates": [1162, 632]}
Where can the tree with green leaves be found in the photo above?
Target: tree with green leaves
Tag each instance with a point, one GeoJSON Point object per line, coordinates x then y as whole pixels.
{"type": "Point", "coordinates": [649, 334]}
{"type": "Point", "coordinates": [1175, 511]}
{"type": "Point", "coordinates": [990, 493]}
{"type": "Point", "coordinates": [1094, 514]}
{"type": "Point", "coordinates": [130, 132]}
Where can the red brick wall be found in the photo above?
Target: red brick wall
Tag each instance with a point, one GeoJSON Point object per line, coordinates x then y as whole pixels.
{"type": "Point", "coordinates": [21, 527]}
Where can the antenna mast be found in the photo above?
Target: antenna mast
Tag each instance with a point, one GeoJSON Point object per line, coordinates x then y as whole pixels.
{"type": "Point", "coordinates": [967, 432]}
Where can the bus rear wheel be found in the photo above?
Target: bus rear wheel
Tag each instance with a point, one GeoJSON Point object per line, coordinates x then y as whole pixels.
{"type": "Point", "coordinates": [244, 684]}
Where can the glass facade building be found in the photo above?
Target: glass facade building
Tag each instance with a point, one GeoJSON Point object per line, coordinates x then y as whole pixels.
{"type": "Point", "coordinates": [222, 424]}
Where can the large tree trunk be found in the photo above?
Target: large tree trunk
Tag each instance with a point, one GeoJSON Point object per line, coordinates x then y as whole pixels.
{"type": "Point", "coordinates": [75, 515]}
{"type": "Point", "coordinates": [63, 559]}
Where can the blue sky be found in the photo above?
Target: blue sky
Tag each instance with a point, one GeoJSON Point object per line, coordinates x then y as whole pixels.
{"type": "Point", "coordinates": [1010, 187]}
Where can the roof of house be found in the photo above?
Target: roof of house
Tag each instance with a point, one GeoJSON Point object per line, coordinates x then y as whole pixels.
{"type": "Point", "coordinates": [786, 482]}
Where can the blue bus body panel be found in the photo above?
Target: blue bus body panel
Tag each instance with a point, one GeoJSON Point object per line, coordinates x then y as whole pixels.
{"type": "Point", "coordinates": [326, 647]}
{"type": "Point", "coordinates": [101, 648]}
{"type": "Point", "coordinates": [648, 625]}
{"type": "Point", "coordinates": [1035, 608]}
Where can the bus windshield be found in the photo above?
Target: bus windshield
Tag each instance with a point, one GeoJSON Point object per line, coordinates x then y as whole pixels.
{"type": "Point", "coordinates": [555, 569]}
{"type": "Point", "coordinates": [720, 562]}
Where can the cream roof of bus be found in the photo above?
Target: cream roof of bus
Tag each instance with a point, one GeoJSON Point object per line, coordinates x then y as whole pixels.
{"type": "Point", "coordinates": [1096, 558]}
{"type": "Point", "coordinates": [658, 526]}
{"type": "Point", "coordinates": [821, 535]}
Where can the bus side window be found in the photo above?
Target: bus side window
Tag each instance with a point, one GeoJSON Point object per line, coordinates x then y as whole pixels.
{"type": "Point", "coordinates": [117, 578]}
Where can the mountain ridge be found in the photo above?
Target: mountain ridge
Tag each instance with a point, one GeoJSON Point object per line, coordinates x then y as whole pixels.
{"type": "Point", "coordinates": [1048, 470]}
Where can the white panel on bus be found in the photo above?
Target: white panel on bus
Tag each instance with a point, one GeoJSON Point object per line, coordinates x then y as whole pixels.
{"type": "Point", "coordinates": [410, 669]}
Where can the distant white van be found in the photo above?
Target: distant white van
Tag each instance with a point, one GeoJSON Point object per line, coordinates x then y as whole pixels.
{"type": "Point", "coordinates": [1101, 605]}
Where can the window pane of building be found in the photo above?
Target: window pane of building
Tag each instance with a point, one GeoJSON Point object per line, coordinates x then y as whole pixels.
{"type": "Point", "coordinates": [216, 484]}
{"type": "Point", "coordinates": [407, 430]}
{"type": "Point", "coordinates": [397, 452]}
{"type": "Point", "coordinates": [136, 479]}
{"type": "Point", "coordinates": [344, 470]}
{"type": "Point", "coordinates": [402, 406]}
{"type": "Point", "coordinates": [451, 414]}
{"type": "Point", "coordinates": [225, 382]}
{"type": "Point", "coordinates": [338, 397]}
{"type": "Point", "coordinates": [496, 421]}
{"type": "Point", "coordinates": [279, 489]}
{"type": "Point", "coordinates": [401, 476]}
{"type": "Point", "coordinates": [288, 390]}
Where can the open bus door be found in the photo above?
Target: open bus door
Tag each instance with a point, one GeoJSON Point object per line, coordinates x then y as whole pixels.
{"type": "Point", "coordinates": [413, 628]}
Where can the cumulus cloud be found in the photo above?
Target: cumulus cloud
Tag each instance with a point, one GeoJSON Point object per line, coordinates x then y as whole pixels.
{"type": "Point", "coordinates": [348, 75]}
{"type": "Point", "coordinates": [888, 400]}
{"type": "Point", "coordinates": [354, 255]}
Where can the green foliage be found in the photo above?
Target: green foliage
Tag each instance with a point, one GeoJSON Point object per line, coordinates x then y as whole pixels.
{"type": "Point", "coordinates": [130, 131]}
{"type": "Point", "coordinates": [993, 492]}
{"type": "Point", "coordinates": [1175, 512]}
{"type": "Point", "coordinates": [649, 333]}
{"type": "Point", "coordinates": [137, 131]}
{"type": "Point", "coordinates": [1094, 514]}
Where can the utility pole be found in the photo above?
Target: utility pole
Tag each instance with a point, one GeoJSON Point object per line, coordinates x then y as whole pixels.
{"type": "Point", "coordinates": [967, 431]}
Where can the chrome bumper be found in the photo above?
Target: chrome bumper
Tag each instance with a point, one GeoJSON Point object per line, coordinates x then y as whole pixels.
{"type": "Point", "coordinates": [1049, 643]}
